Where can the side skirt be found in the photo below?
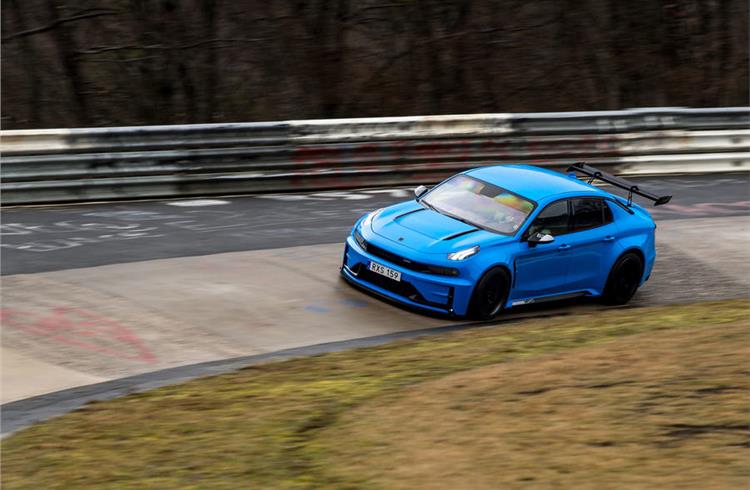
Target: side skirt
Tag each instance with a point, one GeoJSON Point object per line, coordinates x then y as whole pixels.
{"type": "Point", "coordinates": [545, 299]}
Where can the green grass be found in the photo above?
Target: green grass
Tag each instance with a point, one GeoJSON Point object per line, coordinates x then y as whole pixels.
{"type": "Point", "coordinates": [649, 397]}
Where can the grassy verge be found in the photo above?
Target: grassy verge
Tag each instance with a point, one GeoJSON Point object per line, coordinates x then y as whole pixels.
{"type": "Point", "coordinates": [652, 397]}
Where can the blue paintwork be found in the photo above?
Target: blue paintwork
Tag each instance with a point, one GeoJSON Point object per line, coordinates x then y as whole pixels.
{"type": "Point", "coordinates": [577, 262]}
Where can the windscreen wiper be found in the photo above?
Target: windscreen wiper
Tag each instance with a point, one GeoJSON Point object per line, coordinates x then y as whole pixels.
{"type": "Point", "coordinates": [457, 218]}
{"type": "Point", "coordinates": [466, 221]}
{"type": "Point", "coordinates": [428, 205]}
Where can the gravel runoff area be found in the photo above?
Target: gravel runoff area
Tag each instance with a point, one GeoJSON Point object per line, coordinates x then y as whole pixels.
{"type": "Point", "coordinates": [628, 398]}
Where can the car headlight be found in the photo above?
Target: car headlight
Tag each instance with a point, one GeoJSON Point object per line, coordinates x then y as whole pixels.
{"type": "Point", "coordinates": [463, 254]}
{"type": "Point", "coordinates": [360, 240]}
{"type": "Point", "coordinates": [368, 219]}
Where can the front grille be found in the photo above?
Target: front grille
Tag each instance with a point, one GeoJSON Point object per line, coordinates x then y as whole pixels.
{"type": "Point", "coordinates": [401, 288]}
{"type": "Point", "coordinates": [407, 263]}
{"type": "Point", "coordinates": [392, 257]}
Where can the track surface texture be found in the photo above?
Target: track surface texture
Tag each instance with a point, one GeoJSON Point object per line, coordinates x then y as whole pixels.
{"type": "Point", "coordinates": [49, 238]}
{"type": "Point", "coordinates": [98, 293]}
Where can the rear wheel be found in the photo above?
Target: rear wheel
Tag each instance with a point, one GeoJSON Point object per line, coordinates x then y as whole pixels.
{"type": "Point", "coordinates": [623, 280]}
{"type": "Point", "coordinates": [489, 295]}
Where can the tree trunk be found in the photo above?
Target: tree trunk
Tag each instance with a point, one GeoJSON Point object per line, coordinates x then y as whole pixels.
{"type": "Point", "coordinates": [211, 69]}
{"type": "Point", "coordinates": [31, 68]}
{"type": "Point", "coordinates": [66, 48]}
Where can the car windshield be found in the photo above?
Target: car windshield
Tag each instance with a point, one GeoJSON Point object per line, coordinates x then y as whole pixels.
{"type": "Point", "coordinates": [480, 203]}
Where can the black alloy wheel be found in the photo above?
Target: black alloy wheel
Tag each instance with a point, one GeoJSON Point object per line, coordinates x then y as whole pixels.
{"type": "Point", "coordinates": [623, 279]}
{"type": "Point", "coordinates": [489, 295]}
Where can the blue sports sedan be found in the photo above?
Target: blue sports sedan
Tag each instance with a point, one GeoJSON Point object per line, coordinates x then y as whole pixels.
{"type": "Point", "coordinates": [496, 237]}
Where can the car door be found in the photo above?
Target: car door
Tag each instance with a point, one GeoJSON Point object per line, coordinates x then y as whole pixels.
{"type": "Point", "coordinates": [542, 270]}
{"type": "Point", "coordinates": [592, 238]}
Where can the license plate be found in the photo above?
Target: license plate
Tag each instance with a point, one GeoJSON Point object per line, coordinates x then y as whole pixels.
{"type": "Point", "coordinates": [385, 271]}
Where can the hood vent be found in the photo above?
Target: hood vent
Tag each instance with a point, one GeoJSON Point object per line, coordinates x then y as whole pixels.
{"type": "Point", "coordinates": [456, 235]}
{"type": "Point", "coordinates": [408, 213]}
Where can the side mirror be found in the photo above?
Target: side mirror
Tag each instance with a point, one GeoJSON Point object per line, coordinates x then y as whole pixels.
{"type": "Point", "coordinates": [540, 239]}
{"type": "Point", "coordinates": [419, 191]}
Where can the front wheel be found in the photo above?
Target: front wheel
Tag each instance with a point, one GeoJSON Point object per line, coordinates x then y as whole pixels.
{"type": "Point", "coordinates": [623, 280]}
{"type": "Point", "coordinates": [489, 295]}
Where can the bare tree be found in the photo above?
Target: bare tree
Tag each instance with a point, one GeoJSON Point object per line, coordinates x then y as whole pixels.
{"type": "Point", "coordinates": [107, 62]}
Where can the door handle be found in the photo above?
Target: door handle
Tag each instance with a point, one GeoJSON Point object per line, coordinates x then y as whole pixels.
{"type": "Point", "coordinates": [564, 246]}
{"type": "Point", "coordinates": [608, 238]}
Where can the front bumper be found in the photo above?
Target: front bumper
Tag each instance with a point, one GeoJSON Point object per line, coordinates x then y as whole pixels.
{"type": "Point", "coordinates": [435, 293]}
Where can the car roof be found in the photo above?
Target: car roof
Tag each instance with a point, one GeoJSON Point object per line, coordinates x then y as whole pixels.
{"type": "Point", "coordinates": [535, 183]}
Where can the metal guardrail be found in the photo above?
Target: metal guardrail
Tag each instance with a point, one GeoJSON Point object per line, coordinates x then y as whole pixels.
{"type": "Point", "coordinates": [58, 165]}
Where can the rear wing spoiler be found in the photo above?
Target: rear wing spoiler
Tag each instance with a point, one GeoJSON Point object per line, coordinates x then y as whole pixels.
{"type": "Point", "coordinates": [631, 187]}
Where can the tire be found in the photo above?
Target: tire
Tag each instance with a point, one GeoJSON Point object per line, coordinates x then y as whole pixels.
{"type": "Point", "coordinates": [623, 280]}
{"type": "Point", "coordinates": [489, 295]}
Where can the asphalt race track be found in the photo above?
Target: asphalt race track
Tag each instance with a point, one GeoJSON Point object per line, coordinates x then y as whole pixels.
{"type": "Point", "coordinates": [94, 293]}
{"type": "Point", "coordinates": [41, 239]}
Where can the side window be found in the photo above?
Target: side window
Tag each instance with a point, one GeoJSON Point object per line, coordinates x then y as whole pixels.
{"type": "Point", "coordinates": [590, 213]}
{"type": "Point", "coordinates": [553, 220]}
{"type": "Point", "coordinates": [607, 210]}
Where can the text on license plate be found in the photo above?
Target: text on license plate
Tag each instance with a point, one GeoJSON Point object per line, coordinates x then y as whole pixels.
{"type": "Point", "coordinates": [385, 271]}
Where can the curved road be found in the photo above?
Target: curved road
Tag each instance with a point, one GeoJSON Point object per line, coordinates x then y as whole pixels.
{"type": "Point", "coordinates": [50, 238]}
{"type": "Point", "coordinates": [97, 292]}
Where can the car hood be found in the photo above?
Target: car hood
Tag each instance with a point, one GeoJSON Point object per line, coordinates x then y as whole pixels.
{"type": "Point", "coordinates": [427, 231]}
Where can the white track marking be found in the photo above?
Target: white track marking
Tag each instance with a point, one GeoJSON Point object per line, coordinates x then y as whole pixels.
{"type": "Point", "coordinates": [198, 202]}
